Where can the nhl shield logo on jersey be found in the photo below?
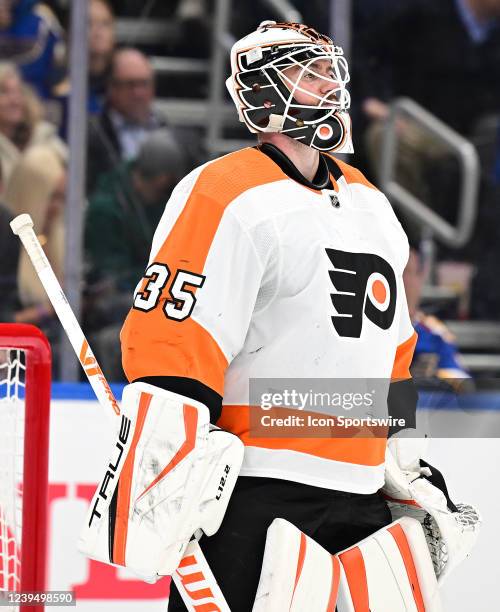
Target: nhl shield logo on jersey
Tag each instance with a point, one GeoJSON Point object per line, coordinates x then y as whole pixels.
{"type": "Point", "coordinates": [363, 284]}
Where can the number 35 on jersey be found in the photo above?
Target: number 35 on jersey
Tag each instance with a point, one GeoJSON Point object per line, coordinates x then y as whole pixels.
{"type": "Point", "coordinates": [179, 301]}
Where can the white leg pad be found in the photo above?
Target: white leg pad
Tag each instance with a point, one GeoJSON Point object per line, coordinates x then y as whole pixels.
{"type": "Point", "coordinates": [297, 573]}
{"type": "Point", "coordinates": [389, 570]}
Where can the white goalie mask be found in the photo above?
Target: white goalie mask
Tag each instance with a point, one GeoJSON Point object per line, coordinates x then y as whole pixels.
{"type": "Point", "coordinates": [266, 90]}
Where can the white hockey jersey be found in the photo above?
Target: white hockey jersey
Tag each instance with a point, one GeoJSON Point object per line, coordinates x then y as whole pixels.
{"type": "Point", "coordinates": [255, 275]}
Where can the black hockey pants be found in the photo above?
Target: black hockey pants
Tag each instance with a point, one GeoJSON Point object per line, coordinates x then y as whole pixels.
{"type": "Point", "coordinates": [334, 519]}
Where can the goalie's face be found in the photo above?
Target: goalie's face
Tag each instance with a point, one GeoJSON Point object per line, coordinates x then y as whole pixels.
{"type": "Point", "coordinates": [313, 84]}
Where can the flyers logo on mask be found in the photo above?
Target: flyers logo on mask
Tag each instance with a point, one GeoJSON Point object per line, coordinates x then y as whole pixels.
{"type": "Point", "coordinates": [364, 285]}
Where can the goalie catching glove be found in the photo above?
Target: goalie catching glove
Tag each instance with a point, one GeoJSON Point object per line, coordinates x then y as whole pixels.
{"type": "Point", "coordinates": [416, 489]}
{"type": "Point", "coordinates": [170, 475]}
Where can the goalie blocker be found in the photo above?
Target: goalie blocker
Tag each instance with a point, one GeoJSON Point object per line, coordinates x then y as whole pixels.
{"type": "Point", "coordinates": [170, 475]}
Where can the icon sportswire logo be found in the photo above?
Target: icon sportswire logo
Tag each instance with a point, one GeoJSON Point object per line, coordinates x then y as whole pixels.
{"type": "Point", "coordinates": [363, 284]}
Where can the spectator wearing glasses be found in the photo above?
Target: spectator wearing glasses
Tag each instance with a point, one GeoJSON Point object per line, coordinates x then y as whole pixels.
{"type": "Point", "coordinates": [128, 117]}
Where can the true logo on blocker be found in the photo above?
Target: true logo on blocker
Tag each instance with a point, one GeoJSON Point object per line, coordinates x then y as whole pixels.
{"type": "Point", "coordinates": [363, 284]}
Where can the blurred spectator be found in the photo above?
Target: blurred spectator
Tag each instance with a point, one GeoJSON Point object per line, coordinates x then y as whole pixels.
{"type": "Point", "coordinates": [121, 219]}
{"type": "Point", "coordinates": [21, 121]}
{"type": "Point", "coordinates": [443, 55]}
{"type": "Point", "coordinates": [404, 56]}
{"type": "Point", "coordinates": [31, 37]}
{"type": "Point", "coordinates": [194, 30]}
{"type": "Point", "coordinates": [485, 290]}
{"type": "Point", "coordinates": [436, 356]}
{"type": "Point", "coordinates": [127, 207]}
{"type": "Point", "coordinates": [127, 118]}
{"type": "Point", "coordinates": [37, 187]}
{"type": "Point", "coordinates": [101, 46]}
{"type": "Point", "coordinates": [9, 258]}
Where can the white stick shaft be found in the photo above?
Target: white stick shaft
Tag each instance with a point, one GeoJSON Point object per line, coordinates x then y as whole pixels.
{"type": "Point", "coordinates": [23, 227]}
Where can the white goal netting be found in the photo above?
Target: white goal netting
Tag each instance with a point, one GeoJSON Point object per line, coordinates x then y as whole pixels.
{"type": "Point", "coordinates": [12, 415]}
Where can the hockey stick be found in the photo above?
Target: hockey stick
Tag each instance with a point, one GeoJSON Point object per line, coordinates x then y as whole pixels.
{"type": "Point", "coordinates": [193, 568]}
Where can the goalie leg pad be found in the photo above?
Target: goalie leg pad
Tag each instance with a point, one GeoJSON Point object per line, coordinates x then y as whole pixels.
{"type": "Point", "coordinates": [297, 573]}
{"type": "Point", "coordinates": [389, 570]}
{"type": "Point", "coordinates": [155, 494]}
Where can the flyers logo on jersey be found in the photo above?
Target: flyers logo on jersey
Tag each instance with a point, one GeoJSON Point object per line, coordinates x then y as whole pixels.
{"type": "Point", "coordinates": [364, 284]}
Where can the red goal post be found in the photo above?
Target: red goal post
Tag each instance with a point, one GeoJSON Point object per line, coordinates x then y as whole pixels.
{"type": "Point", "coordinates": [25, 376]}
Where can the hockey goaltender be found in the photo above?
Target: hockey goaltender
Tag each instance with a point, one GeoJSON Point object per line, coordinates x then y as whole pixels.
{"type": "Point", "coordinates": [275, 261]}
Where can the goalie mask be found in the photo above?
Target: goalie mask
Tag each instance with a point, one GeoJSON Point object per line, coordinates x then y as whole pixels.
{"type": "Point", "coordinates": [270, 72]}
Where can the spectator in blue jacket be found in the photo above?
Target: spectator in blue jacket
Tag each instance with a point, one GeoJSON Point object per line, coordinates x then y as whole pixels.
{"type": "Point", "coordinates": [31, 37]}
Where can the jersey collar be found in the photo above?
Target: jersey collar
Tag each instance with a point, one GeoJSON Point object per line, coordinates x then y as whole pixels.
{"type": "Point", "coordinates": [323, 177]}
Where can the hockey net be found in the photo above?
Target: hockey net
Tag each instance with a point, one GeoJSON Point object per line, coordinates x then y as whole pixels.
{"type": "Point", "coordinates": [25, 364]}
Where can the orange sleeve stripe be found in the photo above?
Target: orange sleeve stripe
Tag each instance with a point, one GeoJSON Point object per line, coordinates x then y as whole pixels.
{"type": "Point", "coordinates": [369, 451]}
{"type": "Point", "coordinates": [403, 358]}
{"type": "Point", "coordinates": [355, 571]}
{"type": "Point", "coordinates": [153, 345]}
{"type": "Point", "coordinates": [399, 536]}
{"type": "Point", "coordinates": [157, 346]}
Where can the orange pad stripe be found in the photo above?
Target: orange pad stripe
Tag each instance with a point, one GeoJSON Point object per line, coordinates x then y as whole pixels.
{"type": "Point", "coordinates": [399, 536]}
{"type": "Point", "coordinates": [332, 601]}
{"type": "Point", "coordinates": [125, 484]}
{"type": "Point", "coordinates": [355, 571]}
{"type": "Point", "coordinates": [300, 560]}
{"type": "Point", "coordinates": [190, 424]}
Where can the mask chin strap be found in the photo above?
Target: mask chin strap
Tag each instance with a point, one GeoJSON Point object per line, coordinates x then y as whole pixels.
{"type": "Point", "coordinates": [275, 124]}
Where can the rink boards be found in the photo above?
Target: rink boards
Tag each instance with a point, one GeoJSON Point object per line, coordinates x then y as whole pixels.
{"type": "Point", "coordinates": [81, 437]}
